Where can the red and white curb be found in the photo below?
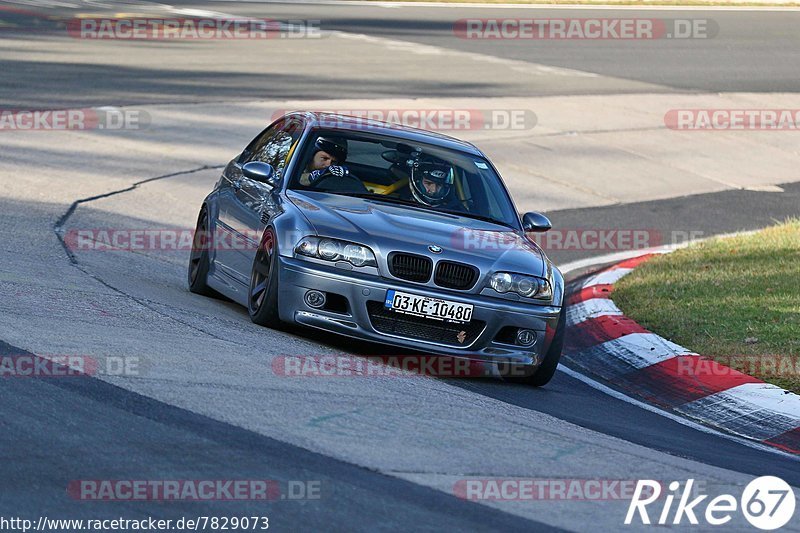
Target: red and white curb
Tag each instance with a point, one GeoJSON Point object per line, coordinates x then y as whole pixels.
{"type": "Point", "coordinates": [603, 342]}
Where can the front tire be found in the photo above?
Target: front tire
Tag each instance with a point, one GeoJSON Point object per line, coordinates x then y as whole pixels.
{"type": "Point", "coordinates": [262, 294]}
{"type": "Point", "coordinates": [199, 257]}
{"type": "Point", "coordinates": [547, 368]}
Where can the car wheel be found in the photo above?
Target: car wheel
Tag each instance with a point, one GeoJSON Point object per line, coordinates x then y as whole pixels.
{"type": "Point", "coordinates": [198, 260]}
{"type": "Point", "coordinates": [542, 375]}
{"type": "Point", "coordinates": [262, 295]}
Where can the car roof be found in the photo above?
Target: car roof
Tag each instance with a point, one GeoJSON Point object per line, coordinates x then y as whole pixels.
{"type": "Point", "coordinates": [335, 121]}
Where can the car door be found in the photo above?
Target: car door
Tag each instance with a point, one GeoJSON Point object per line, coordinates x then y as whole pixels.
{"type": "Point", "coordinates": [225, 257]}
{"type": "Point", "coordinates": [247, 199]}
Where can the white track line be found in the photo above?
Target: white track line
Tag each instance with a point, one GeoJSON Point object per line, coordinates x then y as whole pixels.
{"type": "Point", "coordinates": [431, 50]}
{"type": "Point", "coordinates": [735, 409]}
{"type": "Point", "coordinates": [621, 256]}
{"type": "Point", "coordinates": [641, 350]}
{"type": "Point", "coordinates": [591, 308]}
{"type": "Point", "coordinates": [675, 418]}
{"type": "Point", "coordinates": [607, 277]}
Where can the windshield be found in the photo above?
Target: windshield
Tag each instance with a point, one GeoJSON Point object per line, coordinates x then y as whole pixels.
{"type": "Point", "coordinates": [393, 170]}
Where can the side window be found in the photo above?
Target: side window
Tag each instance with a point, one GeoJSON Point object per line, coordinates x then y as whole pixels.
{"type": "Point", "coordinates": [274, 144]}
{"type": "Point", "coordinates": [257, 144]}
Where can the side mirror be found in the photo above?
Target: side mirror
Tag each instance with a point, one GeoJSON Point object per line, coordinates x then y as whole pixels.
{"type": "Point", "coordinates": [535, 222]}
{"type": "Point", "coordinates": [260, 172]}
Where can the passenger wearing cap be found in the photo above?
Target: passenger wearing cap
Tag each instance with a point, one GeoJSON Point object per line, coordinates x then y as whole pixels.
{"type": "Point", "coordinates": [329, 154]}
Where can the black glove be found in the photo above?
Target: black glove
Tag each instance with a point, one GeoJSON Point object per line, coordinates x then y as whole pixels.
{"type": "Point", "coordinates": [333, 170]}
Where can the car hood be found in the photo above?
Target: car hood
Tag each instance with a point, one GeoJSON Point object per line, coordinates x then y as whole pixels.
{"type": "Point", "coordinates": [386, 227]}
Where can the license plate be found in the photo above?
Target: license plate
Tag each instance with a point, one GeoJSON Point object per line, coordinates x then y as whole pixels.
{"type": "Point", "coordinates": [428, 307]}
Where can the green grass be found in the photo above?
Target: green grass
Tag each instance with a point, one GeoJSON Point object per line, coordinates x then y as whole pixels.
{"type": "Point", "coordinates": [735, 300]}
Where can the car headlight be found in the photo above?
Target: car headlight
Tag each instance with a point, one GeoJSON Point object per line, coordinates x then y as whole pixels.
{"type": "Point", "coordinates": [525, 286]}
{"type": "Point", "coordinates": [330, 250]}
{"type": "Point", "coordinates": [501, 282]}
{"type": "Point", "coordinates": [336, 250]}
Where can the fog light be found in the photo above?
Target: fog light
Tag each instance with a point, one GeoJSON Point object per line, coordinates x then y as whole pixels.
{"type": "Point", "coordinates": [526, 337]}
{"type": "Point", "coordinates": [315, 299]}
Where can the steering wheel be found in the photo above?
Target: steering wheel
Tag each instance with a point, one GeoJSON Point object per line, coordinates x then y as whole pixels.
{"type": "Point", "coordinates": [348, 183]}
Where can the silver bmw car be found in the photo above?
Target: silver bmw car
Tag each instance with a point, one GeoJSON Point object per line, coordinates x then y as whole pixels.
{"type": "Point", "coordinates": [384, 233]}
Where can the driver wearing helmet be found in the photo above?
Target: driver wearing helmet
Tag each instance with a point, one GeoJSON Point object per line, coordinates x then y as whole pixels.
{"type": "Point", "coordinates": [431, 183]}
{"type": "Point", "coordinates": [329, 155]}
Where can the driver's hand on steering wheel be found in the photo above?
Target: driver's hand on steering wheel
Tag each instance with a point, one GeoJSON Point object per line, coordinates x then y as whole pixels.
{"type": "Point", "coordinates": [333, 170]}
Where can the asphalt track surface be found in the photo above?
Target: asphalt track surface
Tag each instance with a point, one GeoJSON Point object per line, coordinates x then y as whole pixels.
{"type": "Point", "coordinates": [58, 430]}
{"type": "Point", "coordinates": [191, 446]}
{"type": "Point", "coordinates": [752, 52]}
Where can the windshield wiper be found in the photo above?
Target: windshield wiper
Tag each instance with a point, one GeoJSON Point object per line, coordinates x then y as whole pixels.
{"type": "Point", "coordinates": [383, 198]}
{"type": "Point", "coordinates": [412, 203]}
{"type": "Point", "coordinates": [478, 217]}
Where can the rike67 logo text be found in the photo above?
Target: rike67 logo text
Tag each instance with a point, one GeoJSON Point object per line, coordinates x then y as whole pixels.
{"type": "Point", "coordinates": [767, 503]}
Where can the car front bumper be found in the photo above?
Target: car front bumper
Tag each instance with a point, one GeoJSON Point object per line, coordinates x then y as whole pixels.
{"type": "Point", "coordinates": [298, 276]}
